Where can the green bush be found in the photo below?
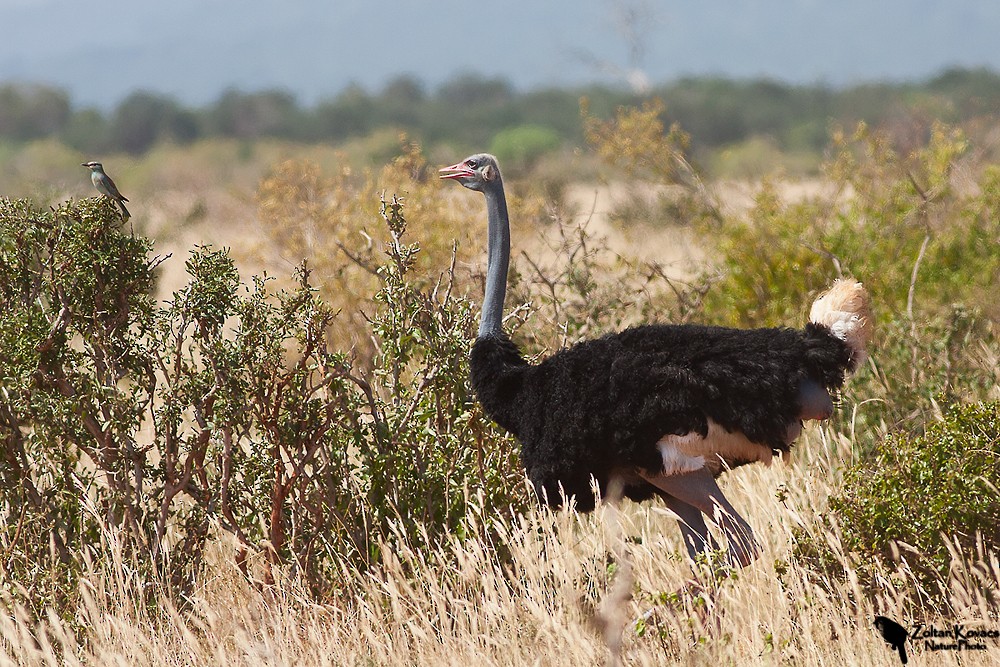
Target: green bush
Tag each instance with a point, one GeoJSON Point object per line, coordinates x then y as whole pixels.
{"type": "Point", "coordinates": [757, 156]}
{"type": "Point", "coordinates": [890, 217]}
{"type": "Point", "coordinates": [74, 305]}
{"type": "Point", "coordinates": [929, 492]}
{"type": "Point", "coordinates": [521, 146]}
{"type": "Point", "coordinates": [226, 407]}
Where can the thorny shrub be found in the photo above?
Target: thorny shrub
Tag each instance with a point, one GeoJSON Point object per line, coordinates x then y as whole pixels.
{"type": "Point", "coordinates": [636, 143]}
{"type": "Point", "coordinates": [225, 407]}
{"type": "Point", "coordinates": [923, 497]}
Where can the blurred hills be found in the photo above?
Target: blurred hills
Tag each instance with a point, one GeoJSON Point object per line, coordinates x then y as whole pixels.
{"type": "Point", "coordinates": [194, 49]}
{"type": "Point", "coordinates": [749, 122]}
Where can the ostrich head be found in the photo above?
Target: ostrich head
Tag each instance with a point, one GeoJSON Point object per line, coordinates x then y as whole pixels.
{"type": "Point", "coordinates": [476, 172]}
{"type": "Point", "coordinates": [480, 172]}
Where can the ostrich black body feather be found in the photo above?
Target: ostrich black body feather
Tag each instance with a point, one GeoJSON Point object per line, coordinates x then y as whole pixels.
{"type": "Point", "coordinates": [599, 408]}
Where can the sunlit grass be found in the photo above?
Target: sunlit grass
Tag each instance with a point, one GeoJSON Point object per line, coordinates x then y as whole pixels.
{"type": "Point", "coordinates": [461, 604]}
{"type": "Point", "coordinates": [537, 588]}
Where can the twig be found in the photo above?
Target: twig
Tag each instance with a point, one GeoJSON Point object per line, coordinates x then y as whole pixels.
{"type": "Point", "coordinates": [829, 255]}
{"type": "Point", "coordinates": [548, 282]}
{"type": "Point", "coordinates": [380, 425]}
{"type": "Point", "coordinates": [58, 326]}
{"type": "Point", "coordinates": [913, 281]}
{"type": "Point", "coordinates": [367, 266]}
{"type": "Point", "coordinates": [916, 186]}
{"type": "Point", "coordinates": [451, 272]}
{"type": "Point", "coordinates": [416, 399]}
{"type": "Point", "coordinates": [17, 532]}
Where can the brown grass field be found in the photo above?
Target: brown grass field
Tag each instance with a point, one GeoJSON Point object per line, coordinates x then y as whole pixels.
{"type": "Point", "coordinates": [558, 603]}
{"type": "Point", "coordinates": [614, 587]}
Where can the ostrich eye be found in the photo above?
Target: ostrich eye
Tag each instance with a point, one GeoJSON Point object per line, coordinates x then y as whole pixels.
{"type": "Point", "coordinates": [472, 164]}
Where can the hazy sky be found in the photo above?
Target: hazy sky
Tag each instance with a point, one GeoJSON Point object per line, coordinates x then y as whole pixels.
{"type": "Point", "coordinates": [194, 49]}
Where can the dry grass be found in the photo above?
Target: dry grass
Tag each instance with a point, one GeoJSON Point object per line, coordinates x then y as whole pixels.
{"type": "Point", "coordinates": [553, 601]}
{"type": "Point", "coordinates": [460, 606]}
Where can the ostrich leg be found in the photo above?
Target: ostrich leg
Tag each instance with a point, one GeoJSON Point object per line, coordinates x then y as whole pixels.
{"type": "Point", "coordinates": [692, 524]}
{"type": "Point", "coordinates": [699, 490]}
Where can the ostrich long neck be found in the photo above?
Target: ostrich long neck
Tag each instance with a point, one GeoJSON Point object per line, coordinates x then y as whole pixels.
{"type": "Point", "coordinates": [491, 321]}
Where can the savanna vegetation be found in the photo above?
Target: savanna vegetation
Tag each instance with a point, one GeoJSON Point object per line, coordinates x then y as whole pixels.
{"type": "Point", "coordinates": [290, 467]}
{"type": "Point", "coordinates": [737, 126]}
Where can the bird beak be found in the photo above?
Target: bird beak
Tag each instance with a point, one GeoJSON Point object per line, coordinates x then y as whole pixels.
{"type": "Point", "coordinates": [459, 170]}
{"type": "Point", "coordinates": [83, 164]}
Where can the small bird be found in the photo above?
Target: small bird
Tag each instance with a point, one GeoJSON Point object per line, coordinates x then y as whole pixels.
{"type": "Point", "coordinates": [894, 634]}
{"type": "Point", "coordinates": [106, 186]}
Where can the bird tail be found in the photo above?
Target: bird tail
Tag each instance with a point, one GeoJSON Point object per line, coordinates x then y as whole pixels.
{"type": "Point", "coordinates": [845, 309]}
{"type": "Point", "coordinates": [125, 214]}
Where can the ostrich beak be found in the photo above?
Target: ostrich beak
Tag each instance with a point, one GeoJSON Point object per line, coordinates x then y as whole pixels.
{"type": "Point", "coordinates": [459, 170]}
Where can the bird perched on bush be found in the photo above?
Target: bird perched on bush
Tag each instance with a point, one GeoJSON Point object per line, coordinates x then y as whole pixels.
{"type": "Point", "coordinates": [660, 410]}
{"type": "Point", "coordinates": [106, 186]}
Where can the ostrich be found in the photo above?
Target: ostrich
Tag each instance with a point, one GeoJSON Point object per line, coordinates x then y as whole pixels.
{"type": "Point", "coordinates": [657, 410]}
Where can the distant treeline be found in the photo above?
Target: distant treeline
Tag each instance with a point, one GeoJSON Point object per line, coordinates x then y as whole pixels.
{"type": "Point", "coordinates": [471, 110]}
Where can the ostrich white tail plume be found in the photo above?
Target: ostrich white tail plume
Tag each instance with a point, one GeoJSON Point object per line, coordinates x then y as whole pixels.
{"type": "Point", "coordinates": [845, 310]}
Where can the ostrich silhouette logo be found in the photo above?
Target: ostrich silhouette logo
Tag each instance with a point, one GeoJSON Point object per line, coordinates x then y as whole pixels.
{"type": "Point", "coordinates": [894, 634]}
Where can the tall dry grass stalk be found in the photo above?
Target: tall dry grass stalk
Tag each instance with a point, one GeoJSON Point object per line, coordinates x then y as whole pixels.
{"type": "Point", "coordinates": [461, 605]}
